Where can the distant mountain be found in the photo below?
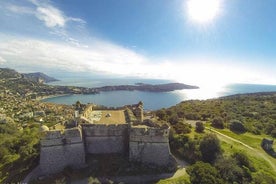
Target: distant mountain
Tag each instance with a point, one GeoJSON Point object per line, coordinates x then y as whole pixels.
{"type": "Point", "coordinates": [39, 77]}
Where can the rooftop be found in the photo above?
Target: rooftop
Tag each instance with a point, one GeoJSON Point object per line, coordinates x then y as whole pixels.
{"type": "Point", "coordinates": [107, 117]}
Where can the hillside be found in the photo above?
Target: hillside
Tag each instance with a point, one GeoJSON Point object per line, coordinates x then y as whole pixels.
{"type": "Point", "coordinates": [221, 138]}
{"type": "Point", "coordinates": [32, 85]}
{"type": "Point", "coordinates": [257, 111]}
{"type": "Point", "coordinates": [39, 77]}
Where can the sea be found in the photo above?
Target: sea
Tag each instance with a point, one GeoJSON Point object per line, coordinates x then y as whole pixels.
{"type": "Point", "coordinates": [151, 100]}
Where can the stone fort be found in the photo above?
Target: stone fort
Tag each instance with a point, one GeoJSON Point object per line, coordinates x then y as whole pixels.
{"type": "Point", "coordinates": [101, 130]}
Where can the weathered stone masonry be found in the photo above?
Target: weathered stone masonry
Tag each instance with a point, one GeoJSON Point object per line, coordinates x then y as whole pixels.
{"type": "Point", "coordinates": [102, 138]}
{"type": "Point", "coordinates": [59, 150]}
{"type": "Point", "coordinates": [141, 143]}
{"type": "Point", "coordinates": [149, 145]}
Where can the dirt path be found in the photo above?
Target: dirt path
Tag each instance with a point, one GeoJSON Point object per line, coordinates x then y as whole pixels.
{"type": "Point", "coordinates": [261, 154]}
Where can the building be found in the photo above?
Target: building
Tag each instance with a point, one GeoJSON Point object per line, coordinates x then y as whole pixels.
{"type": "Point", "coordinates": [105, 131]}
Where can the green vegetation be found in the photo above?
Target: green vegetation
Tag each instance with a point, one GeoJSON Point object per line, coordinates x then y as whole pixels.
{"type": "Point", "coordinates": [19, 152]}
{"type": "Point", "coordinates": [232, 152]}
{"type": "Point", "coordinates": [222, 142]}
{"type": "Point", "coordinates": [257, 112]}
{"type": "Point", "coordinates": [185, 179]}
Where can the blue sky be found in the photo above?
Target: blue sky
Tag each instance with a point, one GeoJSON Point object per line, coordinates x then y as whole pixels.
{"type": "Point", "coordinates": [141, 38]}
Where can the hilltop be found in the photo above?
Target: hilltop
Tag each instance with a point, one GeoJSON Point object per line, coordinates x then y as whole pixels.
{"type": "Point", "coordinates": [39, 77]}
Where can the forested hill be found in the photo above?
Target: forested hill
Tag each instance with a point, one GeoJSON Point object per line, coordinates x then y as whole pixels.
{"type": "Point", "coordinates": [257, 111]}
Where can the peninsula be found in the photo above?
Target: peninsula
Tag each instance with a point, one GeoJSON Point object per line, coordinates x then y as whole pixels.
{"type": "Point", "coordinates": [33, 85]}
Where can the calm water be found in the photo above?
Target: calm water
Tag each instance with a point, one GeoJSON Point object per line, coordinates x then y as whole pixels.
{"type": "Point", "coordinates": [152, 100]}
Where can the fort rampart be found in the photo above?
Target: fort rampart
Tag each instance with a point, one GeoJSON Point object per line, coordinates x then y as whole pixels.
{"type": "Point", "coordinates": [144, 144]}
{"type": "Point", "coordinates": [104, 138]}
{"type": "Point", "coordinates": [61, 149]}
{"type": "Point", "coordinates": [149, 145]}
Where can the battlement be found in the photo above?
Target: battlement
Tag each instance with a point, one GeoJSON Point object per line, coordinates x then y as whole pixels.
{"type": "Point", "coordinates": [143, 130]}
{"type": "Point", "coordinates": [106, 131]}
{"type": "Point", "coordinates": [148, 134]}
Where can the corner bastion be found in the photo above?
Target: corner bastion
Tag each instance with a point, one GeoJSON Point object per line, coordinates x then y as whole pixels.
{"type": "Point", "coordinates": [61, 149]}
{"type": "Point", "coordinates": [149, 145]}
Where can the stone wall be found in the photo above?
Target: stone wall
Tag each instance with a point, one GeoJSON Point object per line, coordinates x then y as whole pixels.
{"type": "Point", "coordinates": [149, 145]}
{"type": "Point", "coordinates": [59, 150]}
{"type": "Point", "coordinates": [104, 139]}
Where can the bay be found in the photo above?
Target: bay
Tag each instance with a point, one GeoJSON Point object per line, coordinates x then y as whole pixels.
{"type": "Point", "coordinates": [151, 100]}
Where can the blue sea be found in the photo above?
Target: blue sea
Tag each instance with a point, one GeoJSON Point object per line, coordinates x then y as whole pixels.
{"type": "Point", "coordinates": [151, 100]}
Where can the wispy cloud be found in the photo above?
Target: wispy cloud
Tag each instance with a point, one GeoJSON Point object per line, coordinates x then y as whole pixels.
{"type": "Point", "coordinates": [51, 16]}
{"type": "Point", "coordinates": [108, 58]}
{"type": "Point", "coordinates": [20, 9]}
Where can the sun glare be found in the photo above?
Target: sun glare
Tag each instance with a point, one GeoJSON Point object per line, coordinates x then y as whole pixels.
{"type": "Point", "coordinates": [203, 11]}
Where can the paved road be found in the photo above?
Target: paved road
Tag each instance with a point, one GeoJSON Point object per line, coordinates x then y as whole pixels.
{"type": "Point", "coordinates": [261, 154]}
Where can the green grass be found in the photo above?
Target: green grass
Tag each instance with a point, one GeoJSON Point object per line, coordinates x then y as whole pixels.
{"type": "Point", "coordinates": [185, 179]}
{"type": "Point", "coordinates": [259, 158]}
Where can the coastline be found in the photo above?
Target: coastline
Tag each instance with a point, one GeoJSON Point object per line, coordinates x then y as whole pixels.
{"type": "Point", "coordinates": [51, 96]}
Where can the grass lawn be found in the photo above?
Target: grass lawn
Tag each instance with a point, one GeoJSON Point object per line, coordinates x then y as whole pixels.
{"type": "Point", "coordinates": [260, 159]}
{"type": "Point", "coordinates": [184, 179]}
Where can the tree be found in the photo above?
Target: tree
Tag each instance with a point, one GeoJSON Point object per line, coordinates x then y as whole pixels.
{"type": "Point", "coordinates": [209, 148]}
{"type": "Point", "coordinates": [217, 123]}
{"type": "Point", "coordinates": [200, 127]}
{"type": "Point", "coordinates": [201, 172]}
{"type": "Point", "coordinates": [92, 180]}
{"type": "Point", "coordinates": [161, 114]}
{"type": "Point", "coordinates": [273, 133]}
{"type": "Point", "coordinates": [182, 128]}
{"type": "Point", "coordinates": [230, 171]}
{"type": "Point", "coordinates": [237, 126]}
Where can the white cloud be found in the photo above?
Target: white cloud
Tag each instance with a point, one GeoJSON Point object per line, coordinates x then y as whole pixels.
{"type": "Point", "coordinates": [20, 9]}
{"type": "Point", "coordinates": [108, 58]}
{"type": "Point", "coordinates": [101, 56]}
{"type": "Point", "coordinates": [2, 60]}
{"type": "Point", "coordinates": [51, 16]}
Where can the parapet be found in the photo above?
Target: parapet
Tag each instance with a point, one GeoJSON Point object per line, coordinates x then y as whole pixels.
{"type": "Point", "coordinates": [142, 133]}
{"type": "Point", "coordinates": [57, 137]}
{"type": "Point", "coordinates": [104, 129]}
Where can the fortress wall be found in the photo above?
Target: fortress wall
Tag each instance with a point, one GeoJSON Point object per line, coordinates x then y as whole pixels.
{"type": "Point", "coordinates": [112, 144]}
{"type": "Point", "coordinates": [61, 150]}
{"type": "Point", "coordinates": [149, 145]}
{"type": "Point", "coordinates": [149, 134]}
{"type": "Point", "coordinates": [150, 153]}
{"type": "Point", "coordinates": [55, 158]}
{"type": "Point", "coordinates": [102, 138]}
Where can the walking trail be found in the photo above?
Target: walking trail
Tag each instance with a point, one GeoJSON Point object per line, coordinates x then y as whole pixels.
{"type": "Point", "coordinates": [263, 155]}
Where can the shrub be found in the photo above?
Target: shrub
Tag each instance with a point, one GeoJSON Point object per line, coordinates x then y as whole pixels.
{"type": "Point", "coordinates": [200, 127]}
{"type": "Point", "coordinates": [205, 173]}
{"type": "Point", "coordinates": [237, 126]}
{"type": "Point", "coordinates": [218, 123]}
{"type": "Point", "coordinates": [210, 148]}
